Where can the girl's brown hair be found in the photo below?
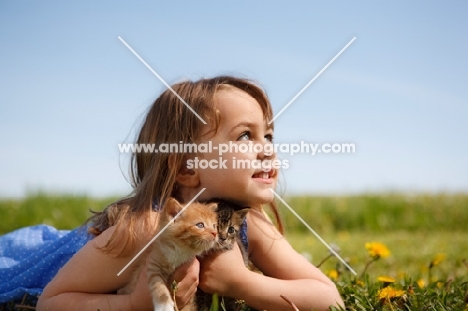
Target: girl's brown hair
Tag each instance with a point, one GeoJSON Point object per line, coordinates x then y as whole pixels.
{"type": "Point", "coordinates": [153, 177]}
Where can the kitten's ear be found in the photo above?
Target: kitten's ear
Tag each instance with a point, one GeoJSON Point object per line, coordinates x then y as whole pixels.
{"type": "Point", "coordinates": [172, 207]}
{"type": "Point", "coordinates": [242, 212]}
{"type": "Point", "coordinates": [213, 207]}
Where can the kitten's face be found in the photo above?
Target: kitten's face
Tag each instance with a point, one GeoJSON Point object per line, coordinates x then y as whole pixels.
{"type": "Point", "coordinates": [195, 228]}
{"type": "Point", "coordinates": [229, 223]}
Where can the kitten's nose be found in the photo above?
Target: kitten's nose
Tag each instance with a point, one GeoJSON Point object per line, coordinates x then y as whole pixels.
{"type": "Point", "coordinates": [213, 233]}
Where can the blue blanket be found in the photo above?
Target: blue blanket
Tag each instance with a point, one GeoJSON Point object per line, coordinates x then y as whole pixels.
{"type": "Point", "coordinates": [30, 257]}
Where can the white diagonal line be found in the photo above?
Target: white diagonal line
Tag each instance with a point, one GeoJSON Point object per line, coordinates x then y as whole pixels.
{"type": "Point", "coordinates": [313, 79]}
{"type": "Point", "coordinates": [160, 231]}
{"type": "Point", "coordinates": [161, 79]}
{"type": "Point", "coordinates": [315, 233]}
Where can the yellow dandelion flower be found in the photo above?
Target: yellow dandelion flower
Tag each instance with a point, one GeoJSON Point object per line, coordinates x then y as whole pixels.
{"type": "Point", "coordinates": [421, 283]}
{"type": "Point", "coordinates": [389, 292]}
{"type": "Point", "coordinates": [377, 250]}
{"type": "Point", "coordinates": [437, 260]}
{"type": "Point", "coordinates": [333, 274]}
{"type": "Point", "coordinates": [385, 279]}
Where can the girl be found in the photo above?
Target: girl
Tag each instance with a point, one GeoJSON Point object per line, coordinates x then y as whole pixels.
{"type": "Point", "coordinates": [236, 111]}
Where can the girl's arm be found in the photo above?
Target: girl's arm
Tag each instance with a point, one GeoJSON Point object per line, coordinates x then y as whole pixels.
{"type": "Point", "coordinates": [89, 282]}
{"type": "Point", "coordinates": [285, 271]}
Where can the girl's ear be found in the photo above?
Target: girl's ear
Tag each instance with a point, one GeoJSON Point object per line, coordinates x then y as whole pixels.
{"type": "Point", "coordinates": [186, 177]}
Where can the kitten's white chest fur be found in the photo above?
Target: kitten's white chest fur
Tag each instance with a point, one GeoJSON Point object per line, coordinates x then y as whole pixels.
{"type": "Point", "coordinates": [163, 307]}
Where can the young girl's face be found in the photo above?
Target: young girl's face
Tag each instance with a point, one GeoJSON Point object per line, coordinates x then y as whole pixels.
{"type": "Point", "coordinates": [241, 123]}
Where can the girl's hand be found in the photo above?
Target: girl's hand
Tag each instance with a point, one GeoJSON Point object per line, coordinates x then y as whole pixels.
{"type": "Point", "coordinates": [186, 277]}
{"type": "Point", "coordinates": [222, 273]}
{"type": "Point", "coordinates": [140, 298]}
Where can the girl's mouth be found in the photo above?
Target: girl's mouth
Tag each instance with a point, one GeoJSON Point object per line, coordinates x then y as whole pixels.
{"type": "Point", "coordinates": [264, 175]}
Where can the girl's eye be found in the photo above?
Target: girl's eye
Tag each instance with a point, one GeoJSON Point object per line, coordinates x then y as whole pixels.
{"type": "Point", "coordinates": [245, 136]}
{"type": "Point", "coordinates": [248, 136]}
{"type": "Point", "coordinates": [200, 225]}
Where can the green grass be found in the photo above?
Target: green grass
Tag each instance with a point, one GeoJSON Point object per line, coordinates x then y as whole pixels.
{"type": "Point", "coordinates": [380, 213]}
{"type": "Point", "coordinates": [60, 211]}
{"type": "Point", "coordinates": [410, 256]}
{"type": "Point", "coordinates": [415, 228]}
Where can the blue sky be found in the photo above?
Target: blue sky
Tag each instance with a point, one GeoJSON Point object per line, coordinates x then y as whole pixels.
{"type": "Point", "coordinates": [70, 91]}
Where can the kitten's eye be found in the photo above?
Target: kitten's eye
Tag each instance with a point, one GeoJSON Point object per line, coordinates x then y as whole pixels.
{"type": "Point", "coordinates": [231, 230]}
{"type": "Point", "coordinates": [200, 225]}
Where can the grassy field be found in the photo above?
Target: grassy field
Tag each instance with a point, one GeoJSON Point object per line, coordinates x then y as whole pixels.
{"type": "Point", "coordinates": [426, 236]}
{"type": "Point", "coordinates": [414, 228]}
{"type": "Point", "coordinates": [60, 211]}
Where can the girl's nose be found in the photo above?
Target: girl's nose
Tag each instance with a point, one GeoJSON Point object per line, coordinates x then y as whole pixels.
{"type": "Point", "coordinates": [267, 151]}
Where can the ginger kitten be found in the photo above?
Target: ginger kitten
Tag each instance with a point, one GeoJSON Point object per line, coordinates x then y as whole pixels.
{"type": "Point", "coordinates": [193, 232]}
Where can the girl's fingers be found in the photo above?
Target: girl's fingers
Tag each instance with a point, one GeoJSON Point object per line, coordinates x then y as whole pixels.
{"type": "Point", "coordinates": [141, 296]}
{"type": "Point", "coordinates": [188, 271]}
{"type": "Point", "coordinates": [186, 277]}
{"type": "Point", "coordinates": [229, 264]}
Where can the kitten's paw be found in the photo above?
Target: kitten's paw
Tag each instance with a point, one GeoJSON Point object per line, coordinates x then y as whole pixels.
{"type": "Point", "coordinates": [164, 307]}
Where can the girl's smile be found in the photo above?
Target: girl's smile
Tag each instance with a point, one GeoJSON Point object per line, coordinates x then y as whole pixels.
{"type": "Point", "coordinates": [265, 177]}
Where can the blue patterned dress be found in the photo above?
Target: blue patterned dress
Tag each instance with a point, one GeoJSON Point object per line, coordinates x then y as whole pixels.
{"type": "Point", "coordinates": [30, 257]}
